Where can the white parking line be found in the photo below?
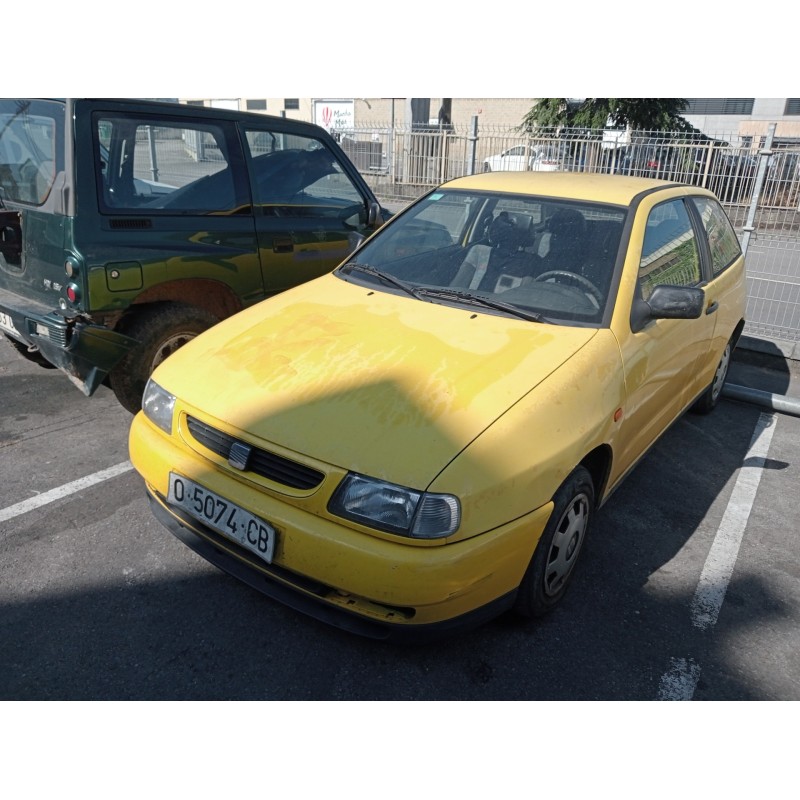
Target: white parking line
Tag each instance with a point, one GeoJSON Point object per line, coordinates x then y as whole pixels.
{"type": "Point", "coordinates": [724, 551]}
{"type": "Point", "coordinates": [680, 681]}
{"type": "Point", "coordinates": [62, 491]}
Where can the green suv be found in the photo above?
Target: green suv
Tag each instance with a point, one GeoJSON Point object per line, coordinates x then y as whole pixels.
{"type": "Point", "coordinates": [128, 227]}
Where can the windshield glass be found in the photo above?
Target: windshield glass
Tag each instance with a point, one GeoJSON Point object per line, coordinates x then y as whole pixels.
{"type": "Point", "coordinates": [30, 149]}
{"type": "Point", "coordinates": [550, 259]}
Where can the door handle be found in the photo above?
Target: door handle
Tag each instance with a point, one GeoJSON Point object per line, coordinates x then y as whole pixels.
{"type": "Point", "coordinates": [282, 244]}
{"type": "Point", "coordinates": [712, 307]}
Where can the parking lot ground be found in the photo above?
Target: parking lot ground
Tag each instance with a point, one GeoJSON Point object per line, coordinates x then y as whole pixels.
{"type": "Point", "coordinates": [98, 601]}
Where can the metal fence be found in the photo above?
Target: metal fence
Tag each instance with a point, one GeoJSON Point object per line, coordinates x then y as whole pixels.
{"type": "Point", "coordinates": [756, 178]}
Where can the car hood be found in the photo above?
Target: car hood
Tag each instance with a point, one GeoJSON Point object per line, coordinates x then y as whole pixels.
{"type": "Point", "coordinates": [381, 384]}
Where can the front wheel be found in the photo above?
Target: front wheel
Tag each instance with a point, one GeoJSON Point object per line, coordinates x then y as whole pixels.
{"type": "Point", "coordinates": [553, 563]}
{"type": "Point", "coordinates": [161, 331]}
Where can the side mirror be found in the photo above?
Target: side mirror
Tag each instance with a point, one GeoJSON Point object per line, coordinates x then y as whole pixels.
{"type": "Point", "coordinates": [374, 216]}
{"type": "Point", "coordinates": [668, 302]}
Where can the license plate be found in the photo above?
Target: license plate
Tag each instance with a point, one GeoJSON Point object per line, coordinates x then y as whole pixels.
{"type": "Point", "coordinates": [7, 323]}
{"type": "Point", "coordinates": [223, 516]}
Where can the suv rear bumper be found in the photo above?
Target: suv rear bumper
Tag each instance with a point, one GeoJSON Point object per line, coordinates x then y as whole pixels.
{"type": "Point", "coordinates": [84, 352]}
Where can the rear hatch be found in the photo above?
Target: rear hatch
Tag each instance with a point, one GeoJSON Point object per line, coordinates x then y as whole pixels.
{"type": "Point", "coordinates": [32, 196]}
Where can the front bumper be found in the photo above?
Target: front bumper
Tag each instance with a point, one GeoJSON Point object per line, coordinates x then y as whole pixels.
{"type": "Point", "coordinates": [371, 586]}
{"type": "Point", "coordinates": [85, 353]}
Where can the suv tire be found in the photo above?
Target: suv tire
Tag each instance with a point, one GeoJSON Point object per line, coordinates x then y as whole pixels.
{"type": "Point", "coordinates": [161, 330]}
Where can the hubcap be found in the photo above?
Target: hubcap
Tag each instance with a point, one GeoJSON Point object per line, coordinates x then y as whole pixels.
{"type": "Point", "coordinates": [169, 346]}
{"type": "Point", "coordinates": [721, 373]}
{"type": "Point", "coordinates": [566, 544]}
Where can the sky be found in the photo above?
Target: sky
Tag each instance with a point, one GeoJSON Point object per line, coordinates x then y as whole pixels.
{"type": "Point", "coordinates": [390, 50]}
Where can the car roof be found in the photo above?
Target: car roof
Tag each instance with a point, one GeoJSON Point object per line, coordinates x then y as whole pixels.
{"type": "Point", "coordinates": [616, 189]}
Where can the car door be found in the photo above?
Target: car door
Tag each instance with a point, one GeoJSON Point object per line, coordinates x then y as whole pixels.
{"type": "Point", "coordinates": [173, 200]}
{"type": "Point", "coordinates": [308, 210]}
{"type": "Point", "coordinates": [661, 359]}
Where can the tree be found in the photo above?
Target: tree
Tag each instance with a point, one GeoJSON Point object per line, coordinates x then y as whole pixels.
{"type": "Point", "coordinates": [593, 112]}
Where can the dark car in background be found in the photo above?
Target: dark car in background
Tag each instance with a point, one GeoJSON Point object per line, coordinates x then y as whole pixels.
{"type": "Point", "coordinates": [127, 227]}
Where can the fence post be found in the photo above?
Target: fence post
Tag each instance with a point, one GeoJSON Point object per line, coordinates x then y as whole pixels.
{"type": "Point", "coordinates": [153, 158]}
{"type": "Point", "coordinates": [473, 144]}
{"type": "Point", "coordinates": [763, 161]}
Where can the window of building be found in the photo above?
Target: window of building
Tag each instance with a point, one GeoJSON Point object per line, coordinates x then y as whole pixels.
{"type": "Point", "coordinates": [792, 106]}
{"type": "Point", "coordinates": [256, 105]}
{"type": "Point", "coordinates": [291, 103]}
{"type": "Point", "coordinates": [719, 105]}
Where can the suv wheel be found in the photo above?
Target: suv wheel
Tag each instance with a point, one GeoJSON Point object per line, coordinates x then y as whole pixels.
{"type": "Point", "coordinates": [161, 330]}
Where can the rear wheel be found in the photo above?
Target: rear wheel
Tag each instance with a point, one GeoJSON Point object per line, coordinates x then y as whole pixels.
{"type": "Point", "coordinates": [707, 401]}
{"type": "Point", "coordinates": [553, 563]}
{"type": "Point", "coordinates": [161, 331]}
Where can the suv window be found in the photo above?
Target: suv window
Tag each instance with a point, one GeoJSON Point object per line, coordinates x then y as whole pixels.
{"type": "Point", "coordinates": [669, 251]}
{"type": "Point", "coordinates": [30, 147]}
{"type": "Point", "coordinates": [297, 176]}
{"type": "Point", "coordinates": [156, 167]}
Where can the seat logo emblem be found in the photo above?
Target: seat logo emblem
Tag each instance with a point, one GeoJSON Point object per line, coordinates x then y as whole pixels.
{"type": "Point", "coordinates": [239, 455]}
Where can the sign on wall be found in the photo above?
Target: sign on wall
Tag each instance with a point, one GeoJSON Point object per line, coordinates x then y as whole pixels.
{"type": "Point", "coordinates": [334, 115]}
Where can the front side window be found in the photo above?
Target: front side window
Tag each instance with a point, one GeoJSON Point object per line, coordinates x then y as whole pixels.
{"type": "Point", "coordinates": [298, 176]}
{"type": "Point", "coordinates": [158, 166]}
{"type": "Point", "coordinates": [721, 237]}
{"type": "Point", "coordinates": [669, 250]}
{"type": "Point", "coordinates": [31, 148]}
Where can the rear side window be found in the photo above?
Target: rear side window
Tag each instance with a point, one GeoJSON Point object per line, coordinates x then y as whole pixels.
{"type": "Point", "coordinates": [669, 250]}
{"type": "Point", "coordinates": [31, 147]}
{"type": "Point", "coordinates": [158, 166]}
{"type": "Point", "coordinates": [722, 239]}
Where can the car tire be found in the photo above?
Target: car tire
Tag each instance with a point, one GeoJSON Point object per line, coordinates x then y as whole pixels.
{"type": "Point", "coordinates": [161, 331]}
{"type": "Point", "coordinates": [708, 401]}
{"type": "Point", "coordinates": [553, 564]}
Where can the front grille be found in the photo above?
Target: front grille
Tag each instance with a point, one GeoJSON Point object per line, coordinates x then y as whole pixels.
{"type": "Point", "coordinates": [261, 462]}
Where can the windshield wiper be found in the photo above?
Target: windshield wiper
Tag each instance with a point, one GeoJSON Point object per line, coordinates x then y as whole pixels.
{"type": "Point", "coordinates": [384, 276]}
{"type": "Point", "coordinates": [476, 299]}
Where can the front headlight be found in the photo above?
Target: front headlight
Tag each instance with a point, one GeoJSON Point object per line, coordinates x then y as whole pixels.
{"type": "Point", "coordinates": [396, 509]}
{"type": "Point", "coordinates": [158, 406]}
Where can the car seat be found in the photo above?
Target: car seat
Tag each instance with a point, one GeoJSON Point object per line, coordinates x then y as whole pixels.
{"type": "Point", "coordinates": [501, 263]}
{"type": "Point", "coordinates": [567, 230]}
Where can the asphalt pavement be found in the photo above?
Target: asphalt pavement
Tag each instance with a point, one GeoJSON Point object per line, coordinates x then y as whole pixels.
{"type": "Point", "coordinates": [688, 589]}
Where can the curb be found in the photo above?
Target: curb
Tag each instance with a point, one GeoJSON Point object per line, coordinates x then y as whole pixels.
{"type": "Point", "coordinates": [779, 348]}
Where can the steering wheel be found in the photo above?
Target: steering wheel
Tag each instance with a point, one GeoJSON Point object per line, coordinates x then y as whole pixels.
{"type": "Point", "coordinates": [572, 279]}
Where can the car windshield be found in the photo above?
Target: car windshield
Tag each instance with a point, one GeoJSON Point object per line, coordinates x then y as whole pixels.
{"type": "Point", "coordinates": [548, 260]}
{"type": "Point", "coordinates": [31, 136]}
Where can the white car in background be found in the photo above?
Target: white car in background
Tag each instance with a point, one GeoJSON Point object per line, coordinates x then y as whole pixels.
{"type": "Point", "coordinates": [539, 158]}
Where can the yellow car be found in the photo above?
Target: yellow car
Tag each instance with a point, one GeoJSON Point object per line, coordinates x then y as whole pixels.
{"type": "Point", "coordinates": [419, 440]}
